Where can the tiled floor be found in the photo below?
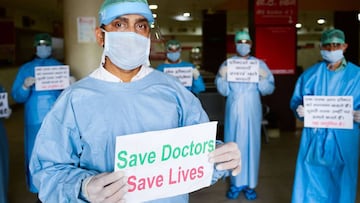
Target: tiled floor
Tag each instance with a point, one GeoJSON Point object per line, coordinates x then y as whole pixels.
{"type": "Point", "coordinates": [275, 179]}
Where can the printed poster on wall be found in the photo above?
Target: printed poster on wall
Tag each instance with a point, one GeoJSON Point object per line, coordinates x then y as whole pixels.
{"type": "Point", "coordinates": [86, 29]}
{"type": "Point", "coordinates": [328, 112]}
{"type": "Point", "coordinates": [166, 163]}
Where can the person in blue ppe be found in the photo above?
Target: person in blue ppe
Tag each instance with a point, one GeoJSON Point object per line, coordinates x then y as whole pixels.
{"type": "Point", "coordinates": [73, 157]}
{"type": "Point", "coordinates": [37, 103]}
{"type": "Point", "coordinates": [4, 153]}
{"type": "Point", "coordinates": [327, 163]}
{"type": "Point", "coordinates": [173, 60]}
{"type": "Point", "coordinates": [243, 115]}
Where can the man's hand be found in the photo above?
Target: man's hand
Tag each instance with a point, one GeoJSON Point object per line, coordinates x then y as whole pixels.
{"type": "Point", "coordinates": [105, 187]}
{"type": "Point", "coordinates": [300, 111]}
{"type": "Point", "coordinates": [227, 157]}
{"type": "Point", "coordinates": [29, 81]}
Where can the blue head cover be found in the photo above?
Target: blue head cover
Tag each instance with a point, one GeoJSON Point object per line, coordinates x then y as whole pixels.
{"type": "Point", "coordinates": [111, 9]}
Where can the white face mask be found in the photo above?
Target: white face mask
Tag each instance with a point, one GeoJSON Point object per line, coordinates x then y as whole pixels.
{"type": "Point", "coordinates": [127, 50]}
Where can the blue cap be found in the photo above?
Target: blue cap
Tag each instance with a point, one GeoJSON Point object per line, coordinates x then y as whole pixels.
{"type": "Point", "coordinates": [111, 9]}
{"type": "Point", "coordinates": [242, 35]}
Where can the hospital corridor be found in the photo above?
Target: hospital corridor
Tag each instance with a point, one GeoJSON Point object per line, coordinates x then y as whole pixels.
{"type": "Point", "coordinates": [277, 166]}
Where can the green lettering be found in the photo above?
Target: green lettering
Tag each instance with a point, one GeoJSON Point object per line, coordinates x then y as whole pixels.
{"type": "Point", "coordinates": [122, 162]}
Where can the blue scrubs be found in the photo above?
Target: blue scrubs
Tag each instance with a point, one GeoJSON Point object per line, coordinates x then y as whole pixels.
{"type": "Point", "coordinates": [37, 104]}
{"type": "Point", "coordinates": [198, 85]}
{"type": "Point", "coordinates": [77, 138]}
{"type": "Point", "coordinates": [4, 161]}
{"type": "Point", "coordinates": [327, 163]}
{"type": "Point", "coordinates": [243, 115]}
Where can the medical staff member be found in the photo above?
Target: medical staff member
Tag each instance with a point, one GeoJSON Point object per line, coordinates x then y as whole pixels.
{"type": "Point", "coordinates": [73, 158]}
{"type": "Point", "coordinates": [37, 103]}
{"type": "Point", "coordinates": [243, 115]}
{"type": "Point", "coordinates": [327, 163]}
{"type": "Point", "coordinates": [173, 60]}
{"type": "Point", "coordinates": [4, 155]}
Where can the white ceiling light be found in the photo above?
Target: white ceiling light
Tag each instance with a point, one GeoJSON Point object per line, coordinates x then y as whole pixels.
{"type": "Point", "coordinates": [359, 16]}
{"type": "Point", "coordinates": [321, 21]}
{"type": "Point", "coordinates": [153, 6]}
{"type": "Point", "coordinates": [184, 17]}
{"type": "Point", "coordinates": [298, 25]}
{"type": "Point", "coordinates": [154, 15]}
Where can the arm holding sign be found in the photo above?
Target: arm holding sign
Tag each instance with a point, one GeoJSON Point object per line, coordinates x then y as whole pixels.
{"type": "Point", "coordinates": [266, 83]}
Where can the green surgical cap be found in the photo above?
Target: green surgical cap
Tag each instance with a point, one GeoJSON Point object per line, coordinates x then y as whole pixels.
{"type": "Point", "coordinates": [173, 45]}
{"type": "Point", "coordinates": [333, 36]}
{"type": "Point", "coordinates": [242, 35]}
{"type": "Point", "coordinates": [111, 9]}
{"type": "Point", "coordinates": [42, 39]}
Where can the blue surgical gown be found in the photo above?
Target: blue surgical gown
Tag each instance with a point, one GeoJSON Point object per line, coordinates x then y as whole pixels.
{"type": "Point", "coordinates": [37, 104]}
{"type": "Point", "coordinates": [4, 161]}
{"type": "Point", "coordinates": [243, 115]}
{"type": "Point", "coordinates": [77, 138]}
{"type": "Point", "coordinates": [327, 163]}
{"type": "Point", "coordinates": [198, 85]}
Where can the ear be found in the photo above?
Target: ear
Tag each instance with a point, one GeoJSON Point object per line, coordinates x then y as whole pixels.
{"type": "Point", "coordinates": [99, 34]}
{"type": "Point", "coordinates": [345, 46]}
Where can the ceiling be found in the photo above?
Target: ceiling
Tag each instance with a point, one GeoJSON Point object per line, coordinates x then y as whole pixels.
{"type": "Point", "coordinates": [309, 10]}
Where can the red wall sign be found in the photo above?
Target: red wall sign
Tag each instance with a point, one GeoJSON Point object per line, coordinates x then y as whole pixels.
{"type": "Point", "coordinates": [275, 12]}
{"type": "Point", "coordinates": [277, 47]}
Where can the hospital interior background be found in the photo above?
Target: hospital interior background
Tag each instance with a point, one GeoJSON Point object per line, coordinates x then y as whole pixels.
{"type": "Point", "coordinates": [207, 39]}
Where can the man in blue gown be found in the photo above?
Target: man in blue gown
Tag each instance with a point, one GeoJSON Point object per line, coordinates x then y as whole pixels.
{"type": "Point", "coordinates": [73, 157]}
{"type": "Point", "coordinates": [37, 103]}
{"type": "Point", "coordinates": [243, 115]}
{"type": "Point", "coordinates": [4, 155]}
{"type": "Point", "coordinates": [327, 163]}
{"type": "Point", "coordinates": [173, 60]}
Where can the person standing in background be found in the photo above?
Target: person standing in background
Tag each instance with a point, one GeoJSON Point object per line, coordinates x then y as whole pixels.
{"type": "Point", "coordinates": [243, 115]}
{"type": "Point", "coordinates": [4, 152]}
{"type": "Point", "coordinates": [37, 103]}
{"type": "Point", "coordinates": [173, 60]}
{"type": "Point", "coordinates": [327, 162]}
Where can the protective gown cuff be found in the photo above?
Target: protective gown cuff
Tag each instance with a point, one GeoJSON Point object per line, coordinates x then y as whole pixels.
{"type": "Point", "coordinates": [83, 193]}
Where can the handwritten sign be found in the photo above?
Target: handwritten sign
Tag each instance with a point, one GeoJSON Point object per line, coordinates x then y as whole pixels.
{"type": "Point", "coordinates": [51, 77]}
{"type": "Point", "coordinates": [166, 163]}
{"type": "Point", "coordinates": [328, 112]}
{"type": "Point", "coordinates": [184, 74]}
{"type": "Point", "coordinates": [4, 105]}
{"type": "Point", "coordinates": [241, 70]}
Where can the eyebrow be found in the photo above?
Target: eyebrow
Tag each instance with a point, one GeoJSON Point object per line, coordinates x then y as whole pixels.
{"type": "Point", "coordinates": [138, 20]}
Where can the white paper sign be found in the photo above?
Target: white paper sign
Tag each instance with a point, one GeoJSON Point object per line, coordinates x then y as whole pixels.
{"type": "Point", "coordinates": [4, 105]}
{"type": "Point", "coordinates": [52, 77]}
{"type": "Point", "coordinates": [86, 29]}
{"type": "Point", "coordinates": [166, 163]}
{"type": "Point", "coordinates": [242, 70]}
{"type": "Point", "coordinates": [328, 112]}
{"type": "Point", "coordinates": [184, 74]}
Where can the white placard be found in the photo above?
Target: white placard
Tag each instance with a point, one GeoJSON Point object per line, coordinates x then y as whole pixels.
{"type": "Point", "coordinates": [242, 70]}
{"type": "Point", "coordinates": [52, 77]}
{"type": "Point", "coordinates": [4, 105]}
{"type": "Point", "coordinates": [328, 112]}
{"type": "Point", "coordinates": [184, 74]}
{"type": "Point", "coordinates": [166, 163]}
{"type": "Point", "coordinates": [86, 29]}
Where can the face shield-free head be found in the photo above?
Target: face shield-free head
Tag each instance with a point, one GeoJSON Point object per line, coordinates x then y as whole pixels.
{"type": "Point", "coordinates": [332, 36]}
{"type": "Point", "coordinates": [173, 46]}
{"type": "Point", "coordinates": [111, 9]}
{"type": "Point", "coordinates": [42, 39]}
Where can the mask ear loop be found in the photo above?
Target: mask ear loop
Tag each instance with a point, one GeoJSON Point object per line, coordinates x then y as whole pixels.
{"type": "Point", "coordinates": [102, 63]}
